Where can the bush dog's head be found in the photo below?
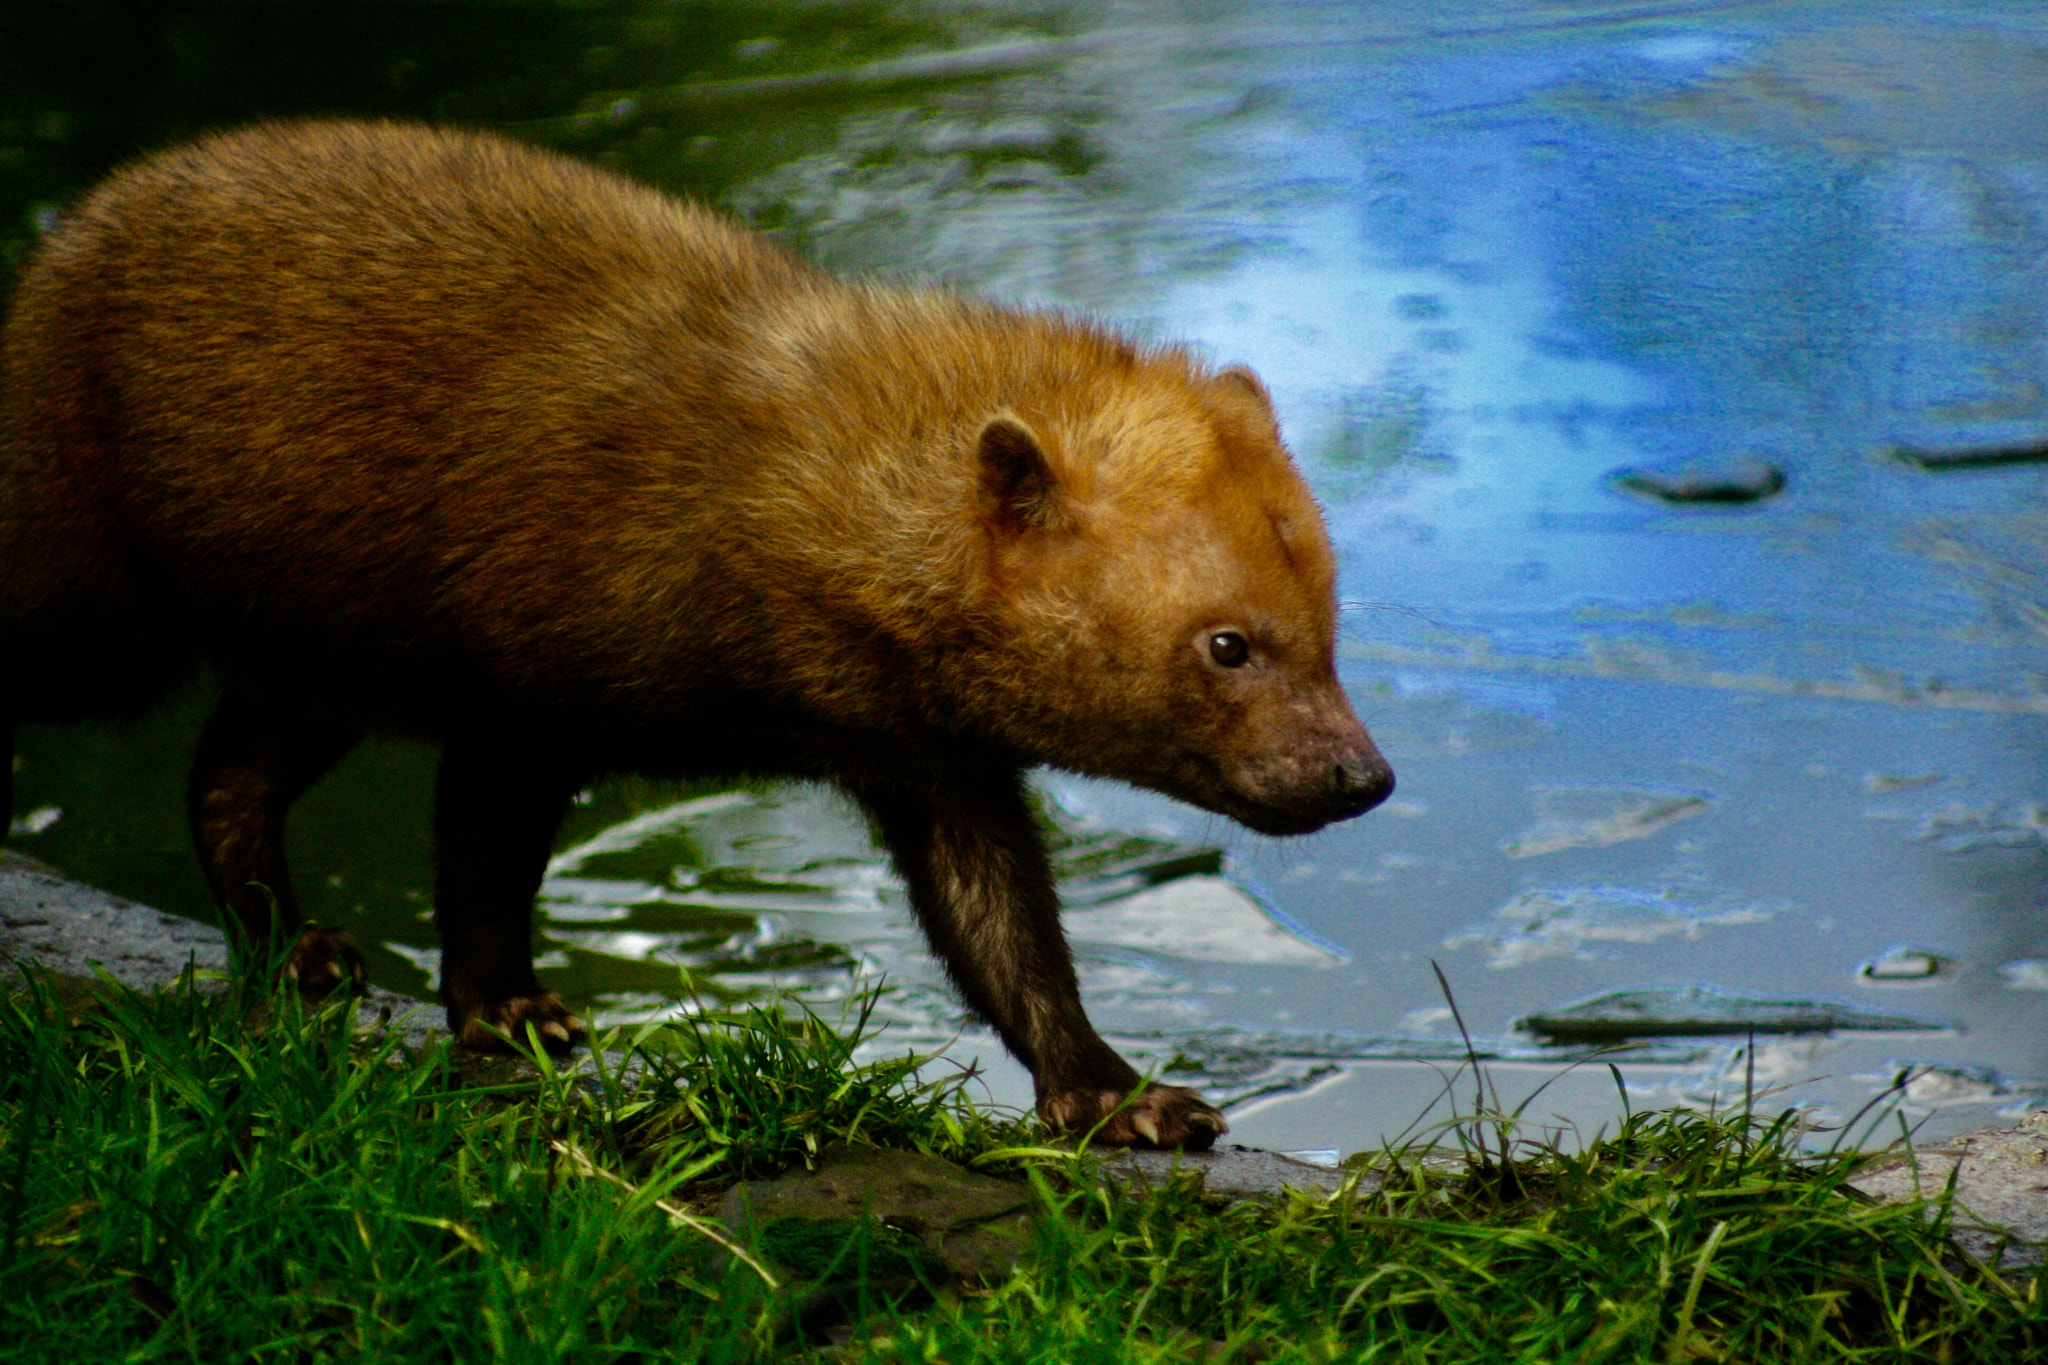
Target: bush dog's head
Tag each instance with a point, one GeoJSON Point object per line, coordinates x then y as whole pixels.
{"type": "Point", "coordinates": [1167, 584]}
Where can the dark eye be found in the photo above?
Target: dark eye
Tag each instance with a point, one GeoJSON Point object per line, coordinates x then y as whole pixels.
{"type": "Point", "coordinates": [1229, 648]}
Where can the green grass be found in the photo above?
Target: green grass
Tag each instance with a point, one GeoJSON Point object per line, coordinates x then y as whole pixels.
{"type": "Point", "coordinates": [1685, 1238]}
{"type": "Point", "coordinates": [177, 1183]}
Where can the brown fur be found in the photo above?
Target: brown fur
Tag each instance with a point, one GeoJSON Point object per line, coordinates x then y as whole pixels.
{"type": "Point", "coordinates": [422, 430]}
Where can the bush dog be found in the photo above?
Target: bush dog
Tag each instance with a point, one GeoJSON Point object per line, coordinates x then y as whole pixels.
{"type": "Point", "coordinates": [427, 431]}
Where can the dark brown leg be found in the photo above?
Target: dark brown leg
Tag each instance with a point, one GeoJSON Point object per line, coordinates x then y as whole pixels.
{"type": "Point", "coordinates": [968, 848]}
{"type": "Point", "coordinates": [495, 816]}
{"type": "Point", "coordinates": [255, 758]}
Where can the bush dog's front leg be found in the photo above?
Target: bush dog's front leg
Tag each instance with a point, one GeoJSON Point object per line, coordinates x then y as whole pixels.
{"type": "Point", "coordinates": [967, 845]}
{"type": "Point", "coordinates": [496, 810]}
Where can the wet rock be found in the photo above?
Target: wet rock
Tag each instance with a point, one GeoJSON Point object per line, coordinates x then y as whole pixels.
{"type": "Point", "coordinates": [1702, 1011]}
{"type": "Point", "coordinates": [1881, 784]}
{"type": "Point", "coordinates": [1205, 919]}
{"type": "Point", "coordinates": [1903, 962]}
{"type": "Point", "coordinates": [974, 1226]}
{"type": "Point", "coordinates": [1926, 1087]}
{"type": "Point", "coordinates": [1165, 896]}
{"type": "Point", "coordinates": [36, 821]}
{"type": "Point", "coordinates": [52, 923]}
{"type": "Point", "coordinates": [1233, 1065]}
{"type": "Point", "coordinates": [1095, 862]}
{"type": "Point", "coordinates": [1581, 921]}
{"type": "Point", "coordinates": [1732, 1076]}
{"type": "Point", "coordinates": [1971, 457]}
{"type": "Point", "coordinates": [1963, 828]}
{"type": "Point", "coordinates": [2026, 974]}
{"type": "Point", "coordinates": [2001, 1189]}
{"type": "Point", "coordinates": [1733, 480]}
{"type": "Point", "coordinates": [1227, 1172]}
{"type": "Point", "coordinates": [49, 921]}
{"type": "Point", "coordinates": [1596, 817]}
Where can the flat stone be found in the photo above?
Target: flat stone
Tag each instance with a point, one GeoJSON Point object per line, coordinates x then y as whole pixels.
{"type": "Point", "coordinates": [1701, 1011]}
{"type": "Point", "coordinates": [1971, 457]}
{"type": "Point", "coordinates": [1905, 962]}
{"type": "Point", "coordinates": [1227, 1172]}
{"type": "Point", "coordinates": [1594, 817]}
{"type": "Point", "coordinates": [1204, 918]}
{"type": "Point", "coordinates": [975, 1225]}
{"type": "Point", "coordinates": [50, 922]}
{"type": "Point", "coordinates": [1582, 921]}
{"type": "Point", "coordinates": [2001, 1189]}
{"type": "Point", "coordinates": [1731, 480]}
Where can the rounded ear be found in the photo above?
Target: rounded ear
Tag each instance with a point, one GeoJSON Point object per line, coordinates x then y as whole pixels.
{"type": "Point", "coordinates": [1241, 377]}
{"type": "Point", "coordinates": [1019, 491]}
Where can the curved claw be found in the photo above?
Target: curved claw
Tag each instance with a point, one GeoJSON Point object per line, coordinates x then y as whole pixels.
{"type": "Point", "coordinates": [322, 960]}
{"type": "Point", "coordinates": [1158, 1116]}
{"type": "Point", "coordinates": [486, 1027]}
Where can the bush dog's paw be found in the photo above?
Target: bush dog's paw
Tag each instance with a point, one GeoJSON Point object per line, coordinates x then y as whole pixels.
{"type": "Point", "coordinates": [322, 960]}
{"type": "Point", "coordinates": [559, 1030]}
{"type": "Point", "coordinates": [1161, 1116]}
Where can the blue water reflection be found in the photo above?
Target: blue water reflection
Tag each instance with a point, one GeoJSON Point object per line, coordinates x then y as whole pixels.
{"type": "Point", "coordinates": [1484, 261]}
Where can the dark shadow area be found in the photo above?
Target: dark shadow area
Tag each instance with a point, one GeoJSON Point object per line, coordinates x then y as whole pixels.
{"type": "Point", "coordinates": [85, 86]}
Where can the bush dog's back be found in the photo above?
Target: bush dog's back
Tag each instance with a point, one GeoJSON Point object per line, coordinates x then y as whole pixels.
{"type": "Point", "coordinates": [411, 429]}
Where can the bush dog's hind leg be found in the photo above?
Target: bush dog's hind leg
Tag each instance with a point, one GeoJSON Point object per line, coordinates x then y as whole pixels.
{"type": "Point", "coordinates": [968, 847]}
{"type": "Point", "coordinates": [496, 810]}
{"type": "Point", "coordinates": [255, 758]}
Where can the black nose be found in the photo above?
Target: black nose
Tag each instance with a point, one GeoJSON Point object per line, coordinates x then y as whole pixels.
{"type": "Point", "coordinates": [1362, 782]}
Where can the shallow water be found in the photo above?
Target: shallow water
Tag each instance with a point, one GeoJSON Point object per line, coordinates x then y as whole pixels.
{"type": "Point", "coordinates": [1491, 259]}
